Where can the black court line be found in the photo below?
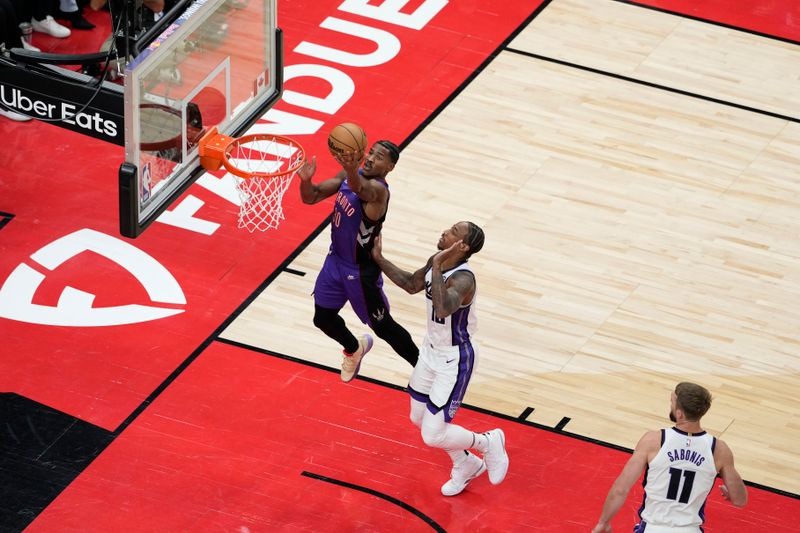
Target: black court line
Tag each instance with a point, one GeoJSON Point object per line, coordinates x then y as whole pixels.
{"type": "Point", "coordinates": [709, 21]}
{"type": "Point", "coordinates": [5, 218]}
{"type": "Point", "coordinates": [293, 271]}
{"type": "Point", "coordinates": [526, 413]}
{"type": "Point", "coordinates": [558, 429]}
{"type": "Point", "coordinates": [422, 516]}
{"type": "Point", "coordinates": [517, 419]}
{"type": "Point", "coordinates": [653, 85]}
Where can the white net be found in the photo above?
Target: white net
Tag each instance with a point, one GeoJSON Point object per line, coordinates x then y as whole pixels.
{"type": "Point", "coordinates": [261, 202]}
{"type": "Point", "coordinates": [261, 197]}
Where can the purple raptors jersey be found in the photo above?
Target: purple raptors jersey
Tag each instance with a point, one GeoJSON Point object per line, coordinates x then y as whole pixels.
{"type": "Point", "coordinates": [353, 233]}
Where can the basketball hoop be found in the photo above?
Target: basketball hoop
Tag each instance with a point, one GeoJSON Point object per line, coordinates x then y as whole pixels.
{"type": "Point", "coordinates": [264, 165]}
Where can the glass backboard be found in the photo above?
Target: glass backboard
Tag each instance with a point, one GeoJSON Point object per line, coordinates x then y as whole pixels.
{"type": "Point", "coordinates": [219, 64]}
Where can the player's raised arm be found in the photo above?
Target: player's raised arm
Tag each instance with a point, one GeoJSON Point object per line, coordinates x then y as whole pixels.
{"type": "Point", "coordinates": [312, 193]}
{"type": "Point", "coordinates": [408, 281]}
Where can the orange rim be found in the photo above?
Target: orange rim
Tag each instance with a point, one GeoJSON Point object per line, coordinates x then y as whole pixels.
{"type": "Point", "coordinates": [215, 150]}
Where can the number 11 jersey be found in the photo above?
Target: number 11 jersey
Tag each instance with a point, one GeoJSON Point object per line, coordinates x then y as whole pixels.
{"type": "Point", "coordinates": [677, 481]}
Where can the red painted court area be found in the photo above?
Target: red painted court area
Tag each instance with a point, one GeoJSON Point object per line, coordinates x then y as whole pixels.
{"type": "Point", "coordinates": [779, 18]}
{"type": "Point", "coordinates": [224, 448]}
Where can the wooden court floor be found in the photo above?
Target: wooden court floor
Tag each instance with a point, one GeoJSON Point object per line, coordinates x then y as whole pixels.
{"type": "Point", "coordinates": [635, 172]}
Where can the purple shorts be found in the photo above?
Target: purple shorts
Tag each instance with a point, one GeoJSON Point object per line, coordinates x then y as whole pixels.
{"type": "Point", "coordinates": [361, 285]}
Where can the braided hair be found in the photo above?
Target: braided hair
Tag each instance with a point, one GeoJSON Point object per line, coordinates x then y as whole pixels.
{"type": "Point", "coordinates": [474, 239]}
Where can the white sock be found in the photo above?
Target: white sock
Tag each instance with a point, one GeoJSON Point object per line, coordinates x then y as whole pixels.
{"type": "Point", "coordinates": [458, 456]}
{"type": "Point", "coordinates": [481, 442]}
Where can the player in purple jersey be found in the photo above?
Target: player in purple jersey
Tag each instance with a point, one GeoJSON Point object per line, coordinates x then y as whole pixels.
{"type": "Point", "coordinates": [350, 274]}
{"type": "Point", "coordinates": [447, 358]}
{"type": "Point", "coordinates": [679, 466]}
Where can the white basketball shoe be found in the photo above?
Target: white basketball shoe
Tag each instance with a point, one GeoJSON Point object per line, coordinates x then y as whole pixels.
{"type": "Point", "coordinates": [470, 468]}
{"type": "Point", "coordinates": [496, 457]}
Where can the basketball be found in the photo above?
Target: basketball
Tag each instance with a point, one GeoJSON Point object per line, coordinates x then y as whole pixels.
{"type": "Point", "coordinates": [347, 137]}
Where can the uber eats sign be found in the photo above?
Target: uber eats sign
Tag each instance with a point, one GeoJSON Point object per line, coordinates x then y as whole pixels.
{"type": "Point", "coordinates": [64, 112]}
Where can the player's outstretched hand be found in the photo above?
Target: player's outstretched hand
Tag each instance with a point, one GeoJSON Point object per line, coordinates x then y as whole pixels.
{"type": "Point", "coordinates": [724, 490]}
{"type": "Point", "coordinates": [306, 172]}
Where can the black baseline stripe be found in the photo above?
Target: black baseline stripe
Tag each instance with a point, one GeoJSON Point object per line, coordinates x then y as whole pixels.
{"type": "Point", "coordinates": [422, 516]}
{"type": "Point", "coordinates": [474, 74]}
{"type": "Point", "coordinates": [709, 21]}
{"type": "Point", "coordinates": [653, 85]}
{"type": "Point", "coordinates": [561, 423]}
{"type": "Point", "coordinates": [522, 418]}
{"type": "Point", "coordinates": [488, 412]}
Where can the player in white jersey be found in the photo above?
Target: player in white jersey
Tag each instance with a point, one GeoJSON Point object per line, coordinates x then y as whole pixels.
{"type": "Point", "coordinates": [447, 356]}
{"type": "Point", "coordinates": [679, 465]}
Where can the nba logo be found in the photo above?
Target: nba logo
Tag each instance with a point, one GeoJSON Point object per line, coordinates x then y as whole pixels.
{"type": "Point", "coordinates": [146, 183]}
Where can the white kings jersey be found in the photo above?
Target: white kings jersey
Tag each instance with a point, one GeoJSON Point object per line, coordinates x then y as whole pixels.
{"type": "Point", "coordinates": [458, 327]}
{"type": "Point", "coordinates": [678, 480]}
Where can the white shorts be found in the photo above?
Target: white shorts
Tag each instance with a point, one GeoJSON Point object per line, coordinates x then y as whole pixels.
{"type": "Point", "coordinates": [441, 376]}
